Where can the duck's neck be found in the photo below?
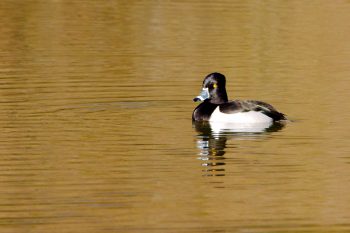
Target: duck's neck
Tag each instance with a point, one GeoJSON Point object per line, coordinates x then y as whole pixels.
{"type": "Point", "coordinates": [219, 97]}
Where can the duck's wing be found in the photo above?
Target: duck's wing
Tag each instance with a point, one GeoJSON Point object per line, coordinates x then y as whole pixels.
{"type": "Point", "coordinates": [252, 105]}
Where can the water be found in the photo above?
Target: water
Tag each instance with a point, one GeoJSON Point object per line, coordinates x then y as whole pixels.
{"type": "Point", "coordinates": [95, 116]}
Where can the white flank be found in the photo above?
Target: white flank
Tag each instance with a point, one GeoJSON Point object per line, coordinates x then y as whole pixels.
{"type": "Point", "coordinates": [251, 117]}
{"type": "Point", "coordinates": [221, 127]}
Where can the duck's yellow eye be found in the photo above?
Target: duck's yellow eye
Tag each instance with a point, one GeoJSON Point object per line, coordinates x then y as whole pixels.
{"type": "Point", "coordinates": [215, 85]}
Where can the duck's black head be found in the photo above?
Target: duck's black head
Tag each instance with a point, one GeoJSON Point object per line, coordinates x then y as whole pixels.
{"type": "Point", "coordinates": [213, 89]}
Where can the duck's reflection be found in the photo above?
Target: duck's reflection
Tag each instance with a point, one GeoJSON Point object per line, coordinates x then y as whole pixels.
{"type": "Point", "coordinates": [212, 138]}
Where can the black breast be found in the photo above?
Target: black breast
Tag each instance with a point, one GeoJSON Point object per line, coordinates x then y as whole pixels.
{"type": "Point", "coordinates": [203, 111]}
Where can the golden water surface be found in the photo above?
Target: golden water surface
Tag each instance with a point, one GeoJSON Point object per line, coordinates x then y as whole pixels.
{"type": "Point", "coordinates": [95, 116]}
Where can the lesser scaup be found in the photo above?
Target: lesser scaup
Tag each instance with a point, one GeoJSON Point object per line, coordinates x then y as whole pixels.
{"type": "Point", "coordinates": [217, 108]}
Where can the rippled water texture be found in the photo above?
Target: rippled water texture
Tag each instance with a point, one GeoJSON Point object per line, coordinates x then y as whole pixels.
{"type": "Point", "coordinates": [95, 116]}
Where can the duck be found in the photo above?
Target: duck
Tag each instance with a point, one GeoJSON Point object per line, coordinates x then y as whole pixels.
{"type": "Point", "coordinates": [216, 107]}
